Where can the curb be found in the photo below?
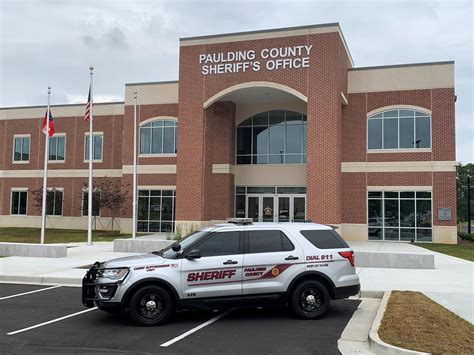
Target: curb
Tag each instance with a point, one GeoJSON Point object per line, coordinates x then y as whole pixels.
{"type": "Point", "coordinates": [377, 345]}
{"type": "Point", "coordinates": [43, 280]}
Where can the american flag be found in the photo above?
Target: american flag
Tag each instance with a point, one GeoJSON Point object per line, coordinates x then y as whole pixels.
{"type": "Point", "coordinates": [87, 116]}
{"type": "Point", "coordinates": [51, 123]}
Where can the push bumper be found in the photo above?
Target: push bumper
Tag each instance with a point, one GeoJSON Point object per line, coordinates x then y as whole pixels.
{"type": "Point", "coordinates": [90, 286]}
{"type": "Point", "coordinates": [346, 291]}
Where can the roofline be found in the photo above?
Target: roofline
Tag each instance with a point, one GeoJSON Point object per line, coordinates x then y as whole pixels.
{"type": "Point", "coordinates": [61, 105]}
{"type": "Point", "coordinates": [283, 29]}
{"type": "Point", "coordinates": [404, 65]}
{"type": "Point", "coordinates": [153, 83]}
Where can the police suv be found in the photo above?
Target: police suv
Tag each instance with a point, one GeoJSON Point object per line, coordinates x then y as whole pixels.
{"type": "Point", "coordinates": [303, 265]}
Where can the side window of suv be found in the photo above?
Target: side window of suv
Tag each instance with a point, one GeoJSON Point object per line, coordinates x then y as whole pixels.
{"type": "Point", "coordinates": [324, 239]}
{"type": "Point", "coordinates": [267, 241]}
{"type": "Point", "coordinates": [220, 243]}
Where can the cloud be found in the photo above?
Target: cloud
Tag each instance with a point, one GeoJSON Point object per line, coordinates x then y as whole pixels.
{"type": "Point", "coordinates": [79, 99]}
{"type": "Point", "coordinates": [54, 44]}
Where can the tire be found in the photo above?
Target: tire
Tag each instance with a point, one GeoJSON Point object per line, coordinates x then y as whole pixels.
{"type": "Point", "coordinates": [151, 305]}
{"type": "Point", "coordinates": [310, 300]}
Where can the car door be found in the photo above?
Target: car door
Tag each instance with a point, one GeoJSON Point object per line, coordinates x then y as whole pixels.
{"type": "Point", "coordinates": [218, 272]}
{"type": "Point", "coordinates": [272, 259]}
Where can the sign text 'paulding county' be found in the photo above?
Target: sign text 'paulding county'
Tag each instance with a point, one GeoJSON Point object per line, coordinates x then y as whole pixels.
{"type": "Point", "coordinates": [294, 57]}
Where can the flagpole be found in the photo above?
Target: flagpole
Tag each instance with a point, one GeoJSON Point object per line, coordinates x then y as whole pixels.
{"type": "Point", "coordinates": [90, 190]}
{"type": "Point", "coordinates": [134, 217]}
{"type": "Point", "coordinates": [45, 172]}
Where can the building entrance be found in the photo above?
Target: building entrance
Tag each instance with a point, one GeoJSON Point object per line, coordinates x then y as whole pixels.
{"type": "Point", "coordinates": [278, 208]}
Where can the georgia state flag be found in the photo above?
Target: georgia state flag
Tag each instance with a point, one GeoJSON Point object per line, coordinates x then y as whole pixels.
{"type": "Point", "coordinates": [51, 123]}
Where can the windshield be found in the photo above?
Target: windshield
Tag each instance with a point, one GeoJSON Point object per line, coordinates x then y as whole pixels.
{"type": "Point", "coordinates": [186, 241]}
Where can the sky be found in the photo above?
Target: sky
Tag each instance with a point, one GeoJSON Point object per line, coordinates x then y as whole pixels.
{"type": "Point", "coordinates": [53, 42]}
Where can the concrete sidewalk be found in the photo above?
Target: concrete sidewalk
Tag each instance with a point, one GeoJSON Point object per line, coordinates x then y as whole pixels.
{"type": "Point", "coordinates": [450, 283]}
{"type": "Point", "coordinates": [66, 271]}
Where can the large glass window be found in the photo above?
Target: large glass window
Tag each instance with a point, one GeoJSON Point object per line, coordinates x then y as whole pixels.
{"type": "Point", "coordinates": [56, 148]}
{"type": "Point", "coordinates": [273, 137]}
{"type": "Point", "coordinates": [97, 145]}
{"type": "Point", "coordinates": [159, 137]}
{"type": "Point", "coordinates": [399, 129]}
{"type": "Point", "coordinates": [400, 215]}
{"type": "Point", "coordinates": [18, 202]}
{"type": "Point", "coordinates": [21, 149]}
{"type": "Point", "coordinates": [54, 202]}
{"type": "Point", "coordinates": [156, 211]}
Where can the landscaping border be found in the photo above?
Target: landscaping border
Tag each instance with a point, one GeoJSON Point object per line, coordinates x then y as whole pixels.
{"type": "Point", "coordinates": [378, 345]}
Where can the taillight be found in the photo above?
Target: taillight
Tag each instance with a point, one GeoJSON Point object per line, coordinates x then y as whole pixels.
{"type": "Point", "coordinates": [349, 255]}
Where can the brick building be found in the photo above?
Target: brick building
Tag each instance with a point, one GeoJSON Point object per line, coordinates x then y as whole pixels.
{"type": "Point", "coordinates": [276, 125]}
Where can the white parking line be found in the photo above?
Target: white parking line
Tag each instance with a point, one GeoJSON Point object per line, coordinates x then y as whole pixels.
{"type": "Point", "coordinates": [195, 329]}
{"type": "Point", "coordinates": [27, 293]}
{"type": "Point", "coordinates": [51, 321]}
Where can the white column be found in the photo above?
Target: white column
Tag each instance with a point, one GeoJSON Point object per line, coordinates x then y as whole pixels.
{"type": "Point", "coordinates": [134, 217]}
{"type": "Point", "coordinates": [91, 141]}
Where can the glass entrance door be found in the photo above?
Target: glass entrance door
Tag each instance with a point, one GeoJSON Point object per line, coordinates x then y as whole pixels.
{"type": "Point", "coordinates": [277, 208]}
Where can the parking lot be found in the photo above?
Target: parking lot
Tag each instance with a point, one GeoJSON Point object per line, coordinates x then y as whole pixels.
{"type": "Point", "coordinates": [46, 319]}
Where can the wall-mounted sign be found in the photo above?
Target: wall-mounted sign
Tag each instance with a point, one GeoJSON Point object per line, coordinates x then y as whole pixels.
{"type": "Point", "coordinates": [444, 214]}
{"type": "Point", "coordinates": [295, 57]}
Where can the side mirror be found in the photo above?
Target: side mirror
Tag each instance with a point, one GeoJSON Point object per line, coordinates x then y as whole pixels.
{"type": "Point", "coordinates": [176, 247]}
{"type": "Point", "coordinates": [193, 254]}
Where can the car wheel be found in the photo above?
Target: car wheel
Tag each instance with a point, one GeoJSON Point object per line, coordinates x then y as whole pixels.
{"type": "Point", "coordinates": [151, 305]}
{"type": "Point", "coordinates": [310, 300]}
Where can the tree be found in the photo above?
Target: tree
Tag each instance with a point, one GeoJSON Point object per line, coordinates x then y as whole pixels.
{"type": "Point", "coordinates": [463, 171]}
{"type": "Point", "coordinates": [112, 196]}
{"type": "Point", "coordinates": [53, 201]}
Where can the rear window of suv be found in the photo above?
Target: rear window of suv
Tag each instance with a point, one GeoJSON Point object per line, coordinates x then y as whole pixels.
{"type": "Point", "coordinates": [268, 241]}
{"type": "Point", "coordinates": [324, 239]}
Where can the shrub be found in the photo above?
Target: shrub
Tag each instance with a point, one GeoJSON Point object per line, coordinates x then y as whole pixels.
{"type": "Point", "coordinates": [466, 236]}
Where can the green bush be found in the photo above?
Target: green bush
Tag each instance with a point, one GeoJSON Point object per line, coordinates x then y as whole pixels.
{"type": "Point", "coordinates": [466, 236]}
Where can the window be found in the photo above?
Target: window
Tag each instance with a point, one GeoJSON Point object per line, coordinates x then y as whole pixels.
{"type": "Point", "coordinates": [21, 149]}
{"type": "Point", "coordinates": [97, 144]}
{"type": "Point", "coordinates": [324, 239]}
{"type": "Point", "coordinates": [159, 137]}
{"type": "Point", "coordinates": [156, 211]}
{"type": "Point", "coordinates": [399, 129]}
{"type": "Point", "coordinates": [400, 215]}
{"type": "Point", "coordinates": [95, 203]}
{"type": "Point", "coordinates": [267, 241]}
{"type": "Point", "coordinates": [273, 137]}
{"type": "Point", "coordinates": [54, 202]}
{"type": "Point", "coordinates": [220, 243]}
{"type": "Point", "coordinates": [56, 148]}
{"type": "Point", "coordinates": [19, 202]}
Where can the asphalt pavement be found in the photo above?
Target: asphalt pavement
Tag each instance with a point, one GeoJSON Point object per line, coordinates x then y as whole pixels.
{"type": "Point", "coordinates": [51, 319]}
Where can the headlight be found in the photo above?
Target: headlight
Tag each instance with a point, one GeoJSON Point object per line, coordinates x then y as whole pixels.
{"type": "Point", "coordinates": [114, 274]}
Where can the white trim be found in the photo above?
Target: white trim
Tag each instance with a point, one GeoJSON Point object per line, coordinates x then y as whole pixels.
{"type": "Point", "coordinates": [13, 149]}
{"type": "Point", "coordinates": [18, 189]}
{"type": "Point", "coordinates": [156, 187]}
{"type": "Point", "coordinates": [253, 84]}
{"type": "Point", "coordinates": [400, 188]}
{"type": "Point", "coordinates": [401, 150]}
{"type": "Point", "coordinates": [344, 99]}
{"type": "Point", "coordinates": [223, 168]}
{"type": "Point", "coordinates": [56, 173]}
{"type": "Point", "coordinates": [398, 166]}
{"type": "Point", "coordinates": [158, 118]}
{"type": "Point", "coordinates": [150, 169]}
{"type": "Point", "coordinates": [158, 155]}
{"type": "Point", "coordinates": [399, 107]}
{"type": "Point", "coordinates": [86, 134]}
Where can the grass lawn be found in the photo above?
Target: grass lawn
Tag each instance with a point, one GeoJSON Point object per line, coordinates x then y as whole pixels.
{"type": "Point", "coordinates": [415, 322]}
{"type": "Point", "coordinates": [32, 235]}
{"type": "Point", "coordinates": [463, 250]}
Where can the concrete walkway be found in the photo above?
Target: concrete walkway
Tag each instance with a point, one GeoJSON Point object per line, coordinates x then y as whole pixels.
{"type": "Point", "coordinates": [450, 283]}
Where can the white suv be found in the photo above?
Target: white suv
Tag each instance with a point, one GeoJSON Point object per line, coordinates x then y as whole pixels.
{"type": "Point", "coordinates": [304, 265]}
